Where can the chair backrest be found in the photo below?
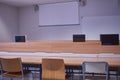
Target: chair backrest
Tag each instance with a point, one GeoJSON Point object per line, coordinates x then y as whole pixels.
{"type": "Point", "coordinates": [11, 64]}
{"type": "Point", "coordinates": [95, 67]}
{"type": "Point", "coordinates": [53, 69]}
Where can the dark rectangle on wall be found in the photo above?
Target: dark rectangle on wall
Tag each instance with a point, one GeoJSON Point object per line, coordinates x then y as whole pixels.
{"type": "Point", "coordinates": [20, 39]}
{"type": "Point", "coordinates": [78, 37]}
{"type": "Point", "coordinates": [109, 39]}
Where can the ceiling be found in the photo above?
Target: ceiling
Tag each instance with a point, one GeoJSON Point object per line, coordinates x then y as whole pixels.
{"type": "Point", "coordinates": [22, 3]}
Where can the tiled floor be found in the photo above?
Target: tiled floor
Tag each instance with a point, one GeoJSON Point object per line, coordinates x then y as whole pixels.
{"type": "Point", "coordinates": [76, 77]}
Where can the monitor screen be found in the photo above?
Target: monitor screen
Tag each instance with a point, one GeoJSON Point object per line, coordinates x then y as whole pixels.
{"type": "Point", "coordinates": [20, 39]}
{"type": "Point", "coordinates": [109, 39]}
{"type": "Point", "coordinates": [79, 38]}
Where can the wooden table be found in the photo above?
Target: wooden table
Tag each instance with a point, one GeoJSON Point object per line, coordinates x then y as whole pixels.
{"type": "Point", "coordinates": [113, 62]}
{"type": "Point", "coordinates": [69, 61]}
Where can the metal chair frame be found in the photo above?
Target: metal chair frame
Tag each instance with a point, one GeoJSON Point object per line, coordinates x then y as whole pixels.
{"type": "Point", "coordinates": [93, 65]}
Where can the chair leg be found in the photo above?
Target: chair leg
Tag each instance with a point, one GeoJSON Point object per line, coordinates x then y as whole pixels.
{"type": "Point", "coordinates": [117, 75]}
{"type": "Point", "coordinates": [11, 78]}
{"type": "Point", "coordinates": [2, 78]}
{"type": "Point", "coordinates": [22, 78]}
{"type": "Point", "coordinates": [33, 76]}
{"type": "Point", "coordinates": [83, 77]}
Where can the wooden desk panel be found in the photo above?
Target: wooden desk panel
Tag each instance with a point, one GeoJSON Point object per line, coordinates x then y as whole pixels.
{"type": "Point", "coordinates": [113, 62]}
{"type": "Point", "coordinates": [92, 46]}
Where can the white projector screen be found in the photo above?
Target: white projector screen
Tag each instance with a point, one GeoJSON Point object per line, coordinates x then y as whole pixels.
{"type": "Point", "coordinates": [59, 14]}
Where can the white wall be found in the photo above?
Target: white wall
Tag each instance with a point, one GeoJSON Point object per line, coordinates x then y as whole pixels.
{"type": "Point", "coordinates": [29, 18]}
{"type": "Point", "coordinates": [94, 26]}
{"type": "Point", "coordinates": [8, 23]}
{"type": "Point", "coordinates": [101, 8]}
{"type": "Point", "coordinates": [100, 17]}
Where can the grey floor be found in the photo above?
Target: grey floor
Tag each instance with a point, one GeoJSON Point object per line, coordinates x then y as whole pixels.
{"type": "Point", "coordinates": [75, 77]}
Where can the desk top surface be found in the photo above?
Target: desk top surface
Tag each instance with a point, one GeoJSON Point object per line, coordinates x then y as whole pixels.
{"type": "Point", "coordinates": [69, 58]}
{"type": "Point", "coordinates": [114, 62]}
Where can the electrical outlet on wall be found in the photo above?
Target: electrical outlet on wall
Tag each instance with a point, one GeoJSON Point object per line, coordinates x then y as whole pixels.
{"type": "Point", "coordinates": [82, 2]}
{"type": "Point", "coordinates": [119, 2]}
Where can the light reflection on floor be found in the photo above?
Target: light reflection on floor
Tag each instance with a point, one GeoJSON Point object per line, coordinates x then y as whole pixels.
{"type": "Point", "coordinates": [36, 77]}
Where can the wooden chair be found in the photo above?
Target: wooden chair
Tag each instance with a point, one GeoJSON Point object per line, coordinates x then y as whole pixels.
{"type": "Point", "coordinates": [53, 69]}
{"type": "Point", "coordinates": [95, 68]}
{"type": "Point", "coordinates": [0, 69]}
{"type": "Point", "coordinates": [12, 68]}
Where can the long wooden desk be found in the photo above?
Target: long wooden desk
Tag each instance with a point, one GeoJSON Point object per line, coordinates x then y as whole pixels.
{"type": "Point", "coordinates": [69, 61]}
{"type": "Point", "coordinates": [89, 46]}
{"type": "Point", "coordinates": [113, 62]}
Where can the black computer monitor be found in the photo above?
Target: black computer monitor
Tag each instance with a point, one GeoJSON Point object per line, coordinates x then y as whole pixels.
{"type": "Point", "coordinates": [78, 37]}
{"type": "Point", "coordinates": [20, 39]}
{"type": "Point", "coordinates": [109, 39]}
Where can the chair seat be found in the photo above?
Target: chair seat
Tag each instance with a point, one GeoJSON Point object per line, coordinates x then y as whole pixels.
{"type": "Point", "coordinates": [95, 77]}
{"type": "Point", "coordinates": [12, 75]}
{"type": "Point", "coordinates": [16, 74]}
{"type": "Point", "coordinates": [12, 68]}
{"type": "Point", "coordinates": [52, 79]}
